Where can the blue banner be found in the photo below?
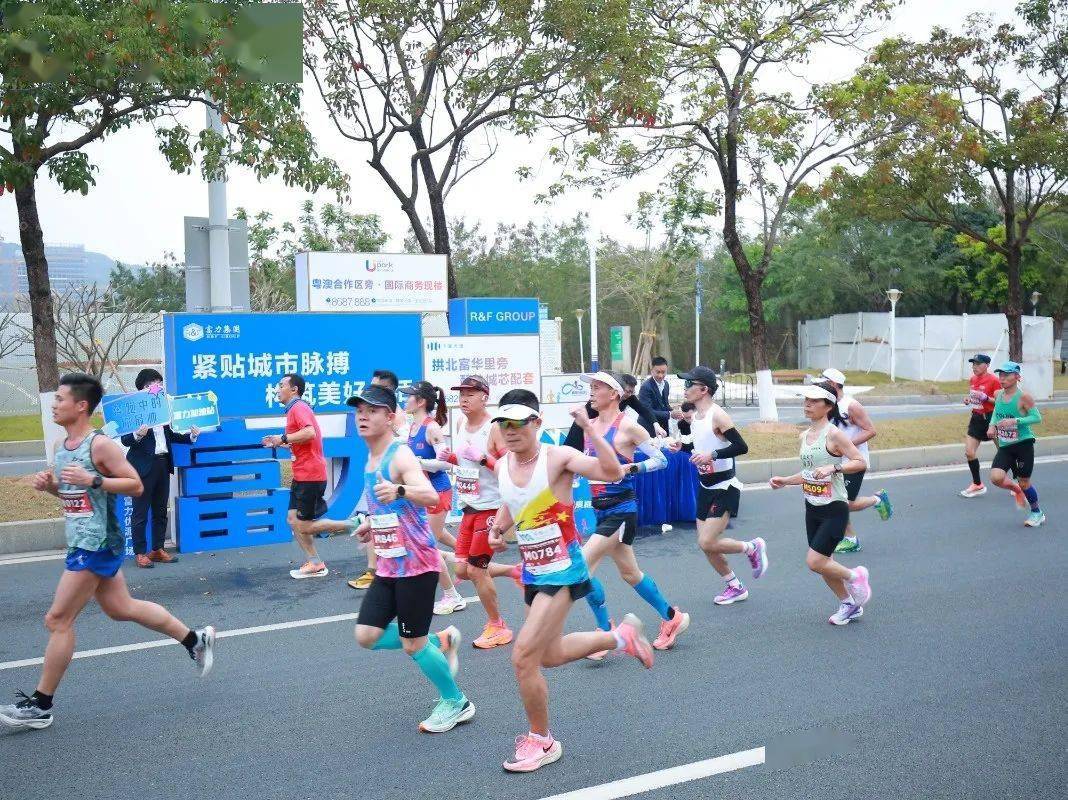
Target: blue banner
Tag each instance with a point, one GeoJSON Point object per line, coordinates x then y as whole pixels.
{"type": "Point", "coordinates": [199, 411]}
{"type": "Point", "coordinates": [125, 413]}
{"type": "Point", "coordinates": [240, 357]}
{"type": "Point", "coordinates": [472, 316]}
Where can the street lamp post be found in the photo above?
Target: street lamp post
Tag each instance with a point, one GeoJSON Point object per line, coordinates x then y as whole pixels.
{"type": "Point", "coordinates": [894, 295]}
{"type": "Point", "coordinates": [1034, 303]}
{"type": "Point", "coordinates": [579, 313]}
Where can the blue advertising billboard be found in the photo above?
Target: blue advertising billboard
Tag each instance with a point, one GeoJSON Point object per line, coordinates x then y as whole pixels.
{"type": "Point", "coordinates": [240, 357]}
{"type": "Point", "coordinates": [473, 316]}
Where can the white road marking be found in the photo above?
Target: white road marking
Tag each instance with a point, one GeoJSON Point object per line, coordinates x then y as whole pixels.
{"type": "Point", "coordinates": [255, 629]}
{"type": "Point", "coordinates": [25, 461]}
{"type": "Point", "coordinates": [628, 787]}
{"type": "Point", "coordinates": [7, 561]}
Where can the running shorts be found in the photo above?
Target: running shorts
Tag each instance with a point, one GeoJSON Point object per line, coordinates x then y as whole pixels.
{"type": "Point", "coordinates": [608, 523]}
{"type": "Point", "coordinates": [826, 525]}
{"type": "Point", "coordinates": [853, 480]}
{"type": "Point", "coordinates": [1019, 457]}
{"type": "Point", "coordinates": [444, 503]}
{"type": "Point", "coordinates": [978, 425]}
{"type": "Point", "coordinates": [408, 600]}
{"type": "Point", "coordinates": [101, 562]}
{"type": "Point", "coordinates": [578, 591]}
{"type": "Point", "coordinates": [714, 503]}
{"type": "Point", "coordinates": [472, 540]}
{"type": "Point", "coordinates": [306, 498]}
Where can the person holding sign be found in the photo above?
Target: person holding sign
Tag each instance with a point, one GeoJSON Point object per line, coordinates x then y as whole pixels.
{"type": "Point", "coordinates": [1014, 414]}
{"type": "Point", "coordinates": [90, 470]}
{"type": "Point", "coordinates": [535, 484]}
{"type": "Point", "coordinates": [827, 454]}
{"type": "Point", "coordinates": [150, 455]}
{"type": "Point", "coordinates": [399, 605]}
{"type": "Point", "coordinates": [982, 387]}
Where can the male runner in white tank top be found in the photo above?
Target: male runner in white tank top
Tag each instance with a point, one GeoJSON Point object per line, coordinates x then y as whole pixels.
{"type": "Point", "coordinates": [716, 443]}
{"type": "Point", "coordinates": [854, 422]}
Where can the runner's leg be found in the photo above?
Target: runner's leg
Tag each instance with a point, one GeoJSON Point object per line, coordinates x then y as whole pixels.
{"type": "Point", "coordinates": [114, 598]}
{"type": "Point", "coordinates": [596, 548]}
{"type": "Point", "coordinates": [73, 592]}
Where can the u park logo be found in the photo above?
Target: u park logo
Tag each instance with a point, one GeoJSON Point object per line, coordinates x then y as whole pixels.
{"type": "Point", "coordinates": [378, 265]}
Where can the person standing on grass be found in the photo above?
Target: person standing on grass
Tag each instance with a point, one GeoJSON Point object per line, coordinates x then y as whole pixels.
{"type": "Point", "coordinates": [151, 457]}
{"type": "Point", "coordinates": [90, 470]}
{"type": "Point", "coordinates": [982, 387]}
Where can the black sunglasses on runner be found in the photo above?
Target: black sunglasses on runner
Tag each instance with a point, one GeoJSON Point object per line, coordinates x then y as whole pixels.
{"type": "Point", "coordinates": [515, 423]}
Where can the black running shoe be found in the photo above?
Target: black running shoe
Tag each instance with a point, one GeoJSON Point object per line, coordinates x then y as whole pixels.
{"type": "Point", "coordinates": [25, 713]}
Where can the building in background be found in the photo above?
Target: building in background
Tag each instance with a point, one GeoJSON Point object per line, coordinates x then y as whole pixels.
{"type": "Point", "coordinates": [68, 265]}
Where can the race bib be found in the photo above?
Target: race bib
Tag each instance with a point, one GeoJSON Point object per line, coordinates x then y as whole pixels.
{"type": "Point", "coordinates": [975, 398]}
{"type": "Point", "coordinates": [1008, 434]}
{"type": "Point", "coordinates": [387, 536]}
{"type": "Point", "coordinates": [818, 490]}
{"type": "Point", "coordinates": [543, 550]}
{"type": "Point", "coordinates": [467, 485]}
{"type": "Point", "coordinates": [706, 469]}
{"type": "Point", "coordinates": [76, 504]}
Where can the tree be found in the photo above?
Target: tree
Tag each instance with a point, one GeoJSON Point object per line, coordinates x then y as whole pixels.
{"type": "Point", "coordinates": [75, 72]}
{"type": "Point", "coordinates": [159, 285]}
{"type": "Point", "coordinates": [424, 85]}
{"type": "Point", "coordinates": [12, 337]}
{"type": "Point", "coordinates": [995, 100]}
{"type": "Point", "coordinates": [721, 108]}
{"type": "Point", "coordinates": [273, 249]}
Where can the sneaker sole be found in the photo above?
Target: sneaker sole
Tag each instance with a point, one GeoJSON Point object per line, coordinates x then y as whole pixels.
{"type": "Point", "coordinates": [490, 644]}
{"type": "Point", "coordinates": [549, 758]}
{"type": "Point", "coordinates": [444, 613]}
{"type": "Point", "coordinates": [35, 724]}
{"type": "Point", "coordinates": [854, 618]}
{"type": "Point", "coordinates": [732, 601]}
{"type": "Point", "coordinates": [763, 567]}
{"type": "Point", "coordinates": [453, 656]}
{"type": "Point", "coordinates": [209, 650]}
{"type": "Point", "coordinates": [867, 582]}
{"type": "Point", "coordinates": [1030, 524]}
{"type": "Point", "coordinates": [639, 631]}
{"type": "Point", "coordinates": [463, 716]}
{"type": "Point", "coordinates": [682, 629]}
{"type": "Point", "coordinates": [296, 574]}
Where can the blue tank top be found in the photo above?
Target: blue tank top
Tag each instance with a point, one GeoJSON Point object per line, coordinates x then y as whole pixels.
{"type": "Point", "coordinates": [613, 498]}
{"type": "Point", "coordinates": [424, 449]}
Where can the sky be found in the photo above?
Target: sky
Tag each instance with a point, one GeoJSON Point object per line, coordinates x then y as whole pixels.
{"type": "Point", "coordinates": [135, 211]}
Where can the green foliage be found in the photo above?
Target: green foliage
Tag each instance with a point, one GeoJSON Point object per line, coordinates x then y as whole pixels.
{"type": "Point", "coordinates": [159, 286]}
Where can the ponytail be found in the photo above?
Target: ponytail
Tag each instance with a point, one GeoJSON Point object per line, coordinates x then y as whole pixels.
{"type": "Point", "coordinates": [437, 406]}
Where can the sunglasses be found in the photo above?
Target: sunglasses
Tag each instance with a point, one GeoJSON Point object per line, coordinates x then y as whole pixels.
{"type": "Point", "coordinates": [691, 384]}
{"type": "Point", "coordinates": [515, 424]}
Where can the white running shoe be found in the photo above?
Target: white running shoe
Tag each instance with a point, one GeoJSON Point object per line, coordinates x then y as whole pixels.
{"type": "Point", "coordinates": [203, 652]}
{"type": "Point", "coordinates": [859, 587]}
{"type": "Point", "coordinates": [846, 613]}
{"type": "Point", "coordinates": [974, 490]}
{"type": "Point", "coordinates": [447, 605]}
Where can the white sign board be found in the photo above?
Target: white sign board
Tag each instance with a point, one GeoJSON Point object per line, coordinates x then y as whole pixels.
{"type": "Point", "coordinates": [506, 362]}
{"type": "Point", "coordinates": [564, 389]}
{"type": "Point", "coordinates": [376, 282]}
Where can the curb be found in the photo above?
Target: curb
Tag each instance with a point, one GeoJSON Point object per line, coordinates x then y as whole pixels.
{"type": "Point", "coordinates": [28, 447]}
{"type": "Point", "coordinates": [31, 535]}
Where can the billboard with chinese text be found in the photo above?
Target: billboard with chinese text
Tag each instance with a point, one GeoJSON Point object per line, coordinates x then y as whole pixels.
{"type": "Point", "coordinates": [506, 362]}
{"type": "Point", "coordinates": [371, 282]}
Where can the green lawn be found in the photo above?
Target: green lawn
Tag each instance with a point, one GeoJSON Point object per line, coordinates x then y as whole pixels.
{"type": "Point", "coordinates": [24, 427]}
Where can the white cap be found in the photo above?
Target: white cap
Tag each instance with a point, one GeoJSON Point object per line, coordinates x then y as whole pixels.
{"type": "Point", "coordinates": [816, 393]}
{"type": "Point", "coordinates": [516, 411]}
{"type": "Point", "coordinates": [605, 378]}
{"type": "Point", "coordinates": [832, 374]}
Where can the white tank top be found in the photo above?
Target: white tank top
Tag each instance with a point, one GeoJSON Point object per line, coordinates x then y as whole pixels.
{"type": "Point", "coordinates": [851, 429]}
{"type": "Point", "coordinates": [475, 484]}
{"type": "Point", "coordinates": [705, 440]}
{"type": "Point", "coordinates": [517, 497]}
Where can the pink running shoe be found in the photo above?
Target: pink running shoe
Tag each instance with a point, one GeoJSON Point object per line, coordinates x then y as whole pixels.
{"type": "Point", "coordinates": [635, 644]}
{"type": "Point", "coordinates": [859, 586]}
{"type": "Point", "coordinates": [758, 559]}
{"type": "Point", "coordinates": [517, 574]}
{"type": "Point", "coordinates": [532, 754]}
{"type": "Point", "coordinates": [1019, 496]}
{"type": "Point", "coordinates": [732, 594]}
{"type": "Point", "coordinates": [670, 630]}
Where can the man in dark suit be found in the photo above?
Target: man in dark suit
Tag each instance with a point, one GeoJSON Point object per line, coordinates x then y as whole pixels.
{"type": "Point", "coordinates": [655, 390]}
{"type": "Point", "coordinates": [150, 455]}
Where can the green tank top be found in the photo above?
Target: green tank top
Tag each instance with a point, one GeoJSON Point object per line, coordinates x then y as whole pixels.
{"type": "Point", "coordinates": [89, 514]}
{"type": "Point", "coordinates": [1004, 409]}
{"type": "Point", "coordinates": [820, 491]}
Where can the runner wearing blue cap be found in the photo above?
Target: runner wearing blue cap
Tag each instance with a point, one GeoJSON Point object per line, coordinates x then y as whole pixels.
{"type": "Point", "coordinates": [1014, 414]}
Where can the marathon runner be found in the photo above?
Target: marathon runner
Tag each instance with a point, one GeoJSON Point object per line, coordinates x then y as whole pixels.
{"type": "Point", "coordinates": [90, 469]}
{"type": "Point", "coordinates": [716, 443]}
{"type": "Point", "coordinates": [1014, 414]}
{"type": "Point", "coordinates": [616, 509]}
{"type": "Point", "coordinates": [983, 385]}
{"type": "Point", "coordinates": [853, 420]}
{"type": "Point", "coordinates": [827, 454]}
{"type": "Point", "coordinates": [399, 605]}
{"type": "Point", "coordinates": [535, 483]}
{"type": "Point", "coordinates": [426, 439]}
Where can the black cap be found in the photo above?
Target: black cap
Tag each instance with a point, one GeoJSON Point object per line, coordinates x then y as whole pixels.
{"type": "Point", "coordinates": [702, 375]}
{"type": "Point", "coordinates": [980, 358]}
{"type": "Point", "coordinates": [146, 376]}
{"type": "Point", "coordinates": [376, 396]}
{"type": "Point", "coordinates": [423, 389]}
{"type": "Point", "coordinates": [473, 382]}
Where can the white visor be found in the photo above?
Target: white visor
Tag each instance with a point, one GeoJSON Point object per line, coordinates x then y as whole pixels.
{"type": "Point", "coordinates": [604, 378]}
{"type": "Point", "coordinates": [516, 411]}
{"type": "Point", "coordinates": [816, 393]}
{"type": "Point", "coordinates": [832, 374]}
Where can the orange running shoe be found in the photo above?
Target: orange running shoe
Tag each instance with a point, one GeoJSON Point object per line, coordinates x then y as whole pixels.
{"type": "Point", "coordinates": [1020, 497]}
{"type": "Point", "coordinates": [495, 634]}
{"type": "Point", "coordinates": [310, 569]}
{"type": "Point", "coordinates": [670, 630]}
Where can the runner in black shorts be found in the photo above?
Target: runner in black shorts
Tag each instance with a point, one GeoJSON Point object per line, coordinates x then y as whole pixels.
{"type": "Point", "coordinates": [983, 385]}
{"type": "Point", "coordinates": [1014, 414]}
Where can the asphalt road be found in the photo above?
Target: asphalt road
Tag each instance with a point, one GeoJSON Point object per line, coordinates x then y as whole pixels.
{"type": "Point", "coordinates": [952, 685]}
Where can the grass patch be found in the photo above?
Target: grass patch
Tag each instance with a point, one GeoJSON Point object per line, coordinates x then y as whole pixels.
{"type": "Point", "coordinates": [20, 428]}
{"type": "Point", "coordinates": [19, 501]}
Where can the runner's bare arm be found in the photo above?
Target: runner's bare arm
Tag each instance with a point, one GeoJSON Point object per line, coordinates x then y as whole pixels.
{"type": "Point", "coordinates": [839, 444]}
{"type": "Point", "coordinates": [501, 522]}
{"type": "Point", "coordinates": [45, 480]}
{"type": "Point", "coordinates": [305, 434]}
{"type": "Point", "coordinates": [405, 468]}
{"type": "Point", "coordinates": [119, 475]}
{"type": "Point", "coordinates": [642, 441]}
{"type": "Point", "coordinates": [605, 467]}
{"type": "Point", "coordinates": [436, 438]}
{"type": "Point", "coordinates": [859, 415]}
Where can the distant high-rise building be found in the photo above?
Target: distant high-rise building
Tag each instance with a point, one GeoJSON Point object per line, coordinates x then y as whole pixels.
{"type": "Point", "coordinates": [68, 265]}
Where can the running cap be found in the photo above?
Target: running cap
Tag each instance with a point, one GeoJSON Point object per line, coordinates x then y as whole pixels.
{"type": "Point", "coordinates": [814, 392]}
{"type": "Point", "coordinates": [375, 395]}
{"type": "Point", "coordinates": [424, 389]}
{"type": "Point", "coordinates": [606, 378]}
{"type": "Point", "coordinates": [1009, 366]}
{"type": "Point", "coordinates": [834, 375]}
{"type": "Point", "coordinates": [980, 358]}
{"type": "Point", "coordinates": [702, 375]}
{"type": "Point", "coordinates": [518, 404]}
{"type": "Point", "coordinates": [473, 382]}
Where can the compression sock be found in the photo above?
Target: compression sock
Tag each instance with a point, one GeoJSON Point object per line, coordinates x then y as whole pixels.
{"type": "Point", "coordinates": [650, 593]}
{"type": "Point", "coordinates": [598, 606]}
{"type": "Point", "coordinates": [973, 465]}
{"type": "Point", "coordinates": [390, 638]}
{"type": "Point", "coordinates": [1031, 493]}
{"type": "Point", "coordinates": [433, 664]}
